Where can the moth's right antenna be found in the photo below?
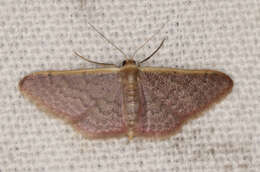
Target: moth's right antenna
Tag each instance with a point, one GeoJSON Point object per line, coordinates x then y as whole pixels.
{"type": "Point", "coordinates": [158, 31]}
{"type": "Point", "coordinates": [110, 42]}
{"type": "Point", "coordinates": [147, 58]}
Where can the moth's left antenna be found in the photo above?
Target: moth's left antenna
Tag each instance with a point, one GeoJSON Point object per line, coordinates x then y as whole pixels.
{"type": "Point", "coordinates": [110, 42]}
{"type": "Point", "coordinates": [98, 63]}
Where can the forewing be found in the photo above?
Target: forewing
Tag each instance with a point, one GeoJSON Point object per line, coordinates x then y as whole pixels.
{"type": "Point", "coordinates": [90, 100]}
{"type": "Point", "coordinates": [170, 97]}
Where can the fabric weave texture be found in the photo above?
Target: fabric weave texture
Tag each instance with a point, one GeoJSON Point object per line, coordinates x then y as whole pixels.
{"type": "Point", "coordinates": [200, 34]}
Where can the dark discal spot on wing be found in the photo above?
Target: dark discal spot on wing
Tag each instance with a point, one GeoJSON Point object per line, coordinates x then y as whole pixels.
{"type": "Point", "coordinates": [172, 97]}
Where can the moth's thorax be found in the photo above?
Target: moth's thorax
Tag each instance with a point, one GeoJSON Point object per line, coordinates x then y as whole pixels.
{"type": "Point", "coordinates": [131, 96]}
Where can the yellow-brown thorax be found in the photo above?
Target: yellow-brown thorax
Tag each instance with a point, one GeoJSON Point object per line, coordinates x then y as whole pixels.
{"type": "Point", "coordinates": [129, 78]}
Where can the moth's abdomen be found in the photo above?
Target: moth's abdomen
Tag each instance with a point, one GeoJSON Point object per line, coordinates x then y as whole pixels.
{"type": "Point", "coordinates": [132, 101]}
{"type": "Point", "coordinates": [131, 96]}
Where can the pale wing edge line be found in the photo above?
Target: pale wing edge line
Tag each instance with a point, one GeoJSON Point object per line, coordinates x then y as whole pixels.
{"type": "Point", "coordinates": [89, 71]}
{"type": "Point", "coordinates": [116, 70]}
{"type": "Point", "coordinates": [162, 69]}
{"type": "Point", "coordinates": [62, 117]}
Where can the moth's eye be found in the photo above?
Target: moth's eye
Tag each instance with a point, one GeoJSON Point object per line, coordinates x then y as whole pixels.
{"type": "Point", "coordinates": [124, 62]}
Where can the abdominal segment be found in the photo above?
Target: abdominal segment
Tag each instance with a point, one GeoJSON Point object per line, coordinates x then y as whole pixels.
{"type": "Point", "coordinates": [131, 98]}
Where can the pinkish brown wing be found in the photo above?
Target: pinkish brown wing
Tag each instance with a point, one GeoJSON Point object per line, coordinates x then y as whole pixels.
{"type": "Point", "coordinates": [90, 100]}
{"type": "Point", "coordinates": [171, 96]}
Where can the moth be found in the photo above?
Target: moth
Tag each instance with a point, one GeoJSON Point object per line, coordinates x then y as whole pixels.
{"type": "Point", "coordinates": [129, 100]}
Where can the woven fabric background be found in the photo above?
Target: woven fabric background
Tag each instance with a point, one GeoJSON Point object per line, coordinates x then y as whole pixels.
{"type": "Point", "coordinates": [37, 35]}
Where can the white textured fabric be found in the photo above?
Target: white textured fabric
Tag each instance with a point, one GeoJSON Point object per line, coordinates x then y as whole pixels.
{"type": "Point", "coordinates": [37, 35]}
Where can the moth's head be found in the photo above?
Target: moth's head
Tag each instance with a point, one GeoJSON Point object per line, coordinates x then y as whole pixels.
{"type": "Point", "coordinates": [128, 62]}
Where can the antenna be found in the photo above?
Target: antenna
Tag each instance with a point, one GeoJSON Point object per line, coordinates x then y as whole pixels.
{"type": "Point", "coordinates": [98, 63]}
{"type": "Point", "coordinates": [110, 42]}
{"type": "Point", "coordinates": [147, 58]}
{"type": "Point", "coordinates": [158, 31]}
